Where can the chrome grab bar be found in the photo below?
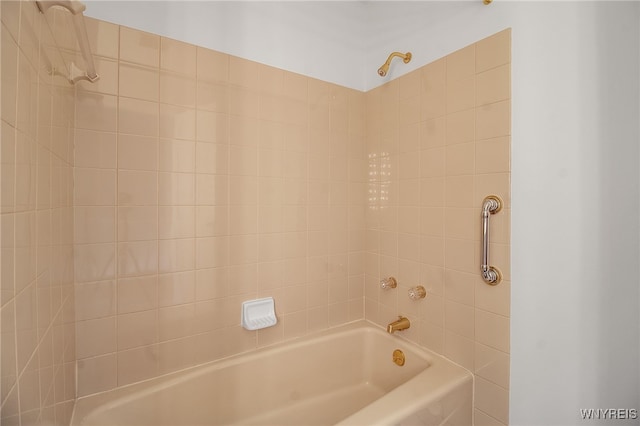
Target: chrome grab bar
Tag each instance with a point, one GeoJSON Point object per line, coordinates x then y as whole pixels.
{"type": "Point", "coordinates": [490, 205]}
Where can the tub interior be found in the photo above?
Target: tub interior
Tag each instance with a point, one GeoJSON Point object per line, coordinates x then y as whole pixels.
{"type": "Point", "coordinates": [316, 381]}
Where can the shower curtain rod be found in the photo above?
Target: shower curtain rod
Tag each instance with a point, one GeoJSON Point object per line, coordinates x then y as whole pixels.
{"type": "Point", "coordinates": [76, 8]}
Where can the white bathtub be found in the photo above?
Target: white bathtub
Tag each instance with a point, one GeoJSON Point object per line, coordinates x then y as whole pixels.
{"type": "Point", "coordinates": [343, 376]}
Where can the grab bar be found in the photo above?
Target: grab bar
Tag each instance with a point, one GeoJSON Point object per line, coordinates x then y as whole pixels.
{"type": "Point", "coordinates": [490, 205]}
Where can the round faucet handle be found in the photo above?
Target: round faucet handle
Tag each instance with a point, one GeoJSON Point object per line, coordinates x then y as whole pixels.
{"type": "Point", "coordinates": [388, 283]}
{"type": "Point", "coordinates": [417, 293]}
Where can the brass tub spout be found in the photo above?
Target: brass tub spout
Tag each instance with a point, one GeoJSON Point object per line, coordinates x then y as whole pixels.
{"type": "Point", "coordinates": [401, 323]}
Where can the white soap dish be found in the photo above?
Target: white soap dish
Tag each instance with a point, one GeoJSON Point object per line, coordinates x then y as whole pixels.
{"type": "Point", "coordinates": [258, 313]}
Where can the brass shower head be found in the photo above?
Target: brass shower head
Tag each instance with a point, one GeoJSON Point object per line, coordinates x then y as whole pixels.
{"type": "Point", "coordinates": [406, 57]}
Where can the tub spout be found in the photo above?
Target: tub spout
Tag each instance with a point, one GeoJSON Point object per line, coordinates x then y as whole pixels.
{"type": "Point", "coordinates": [401, 323]}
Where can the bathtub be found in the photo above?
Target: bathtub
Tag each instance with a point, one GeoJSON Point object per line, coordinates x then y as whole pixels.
{"type": "Point", "coordinates": [342, 376]}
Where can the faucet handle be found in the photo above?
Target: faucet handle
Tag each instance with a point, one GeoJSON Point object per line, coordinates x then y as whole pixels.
{"type": "Point", "coordinates": [417, 293]}
{"type": "Point", "coordinates": [388, 283]}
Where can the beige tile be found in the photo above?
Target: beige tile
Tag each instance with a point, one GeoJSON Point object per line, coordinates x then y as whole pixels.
{"type": "Point", "coordinates": [177, 354]}
{"type": "Point", "coordinates": [432, 221]}
{"type": "Point", "coordinates": [138, 82]}
{"type": "Point", "coordinates": [492, 365]}
{"type": "Point", "coordinates": [271, 79]}
{"type": "Point", "coordinates": [459, 191]}
{"type": "Point", "coordinates": [212, 127]}
{"type": "Point", "coordinates": [9, 75]}
{"type": "Point", "coordinates": [95, 111]}
{"type": "Point", "coordinates": [492, 330]}
{"type": "Point", "coordinates": [95, 337]}
{"type": "Point", "coordinates": [212, 158]}
{"type": "Point", "coordinates": [461, 94]}
{"type": "Point", "coordinates": [212, 252]}
{"type": "Point", "coordinates": [138, 117]}
{"type": "Point", "coordinates": [242, 249]}
{"type": "Point", "coordinates": [242, 280]}
{"type": "Point", "coordinates": [459, 286]}
{"type": "Point", "coordinates": [244, 131]}
{"type": "Point", "coordinates": [496, 299]}
{"type": "Point", "coordinates": [212, 97]}
{"type": "Point", "coordinates": [493, 155]}
{"type": "Point", "coordinates": [137, 258]}
{"type": "Point", "coordinates": [460, 159]}
{"type": "Point", "coordinates": [137, 364]}
{"type": "Point", "coordinates": [243, 160]}
{"type": "Point", "coordinates": [176, 255]}
{"type": "Point", "coordinates": [409, 110]}
{"type": "Point", "coordinates": [177, 122]}
{"type": "Point", "coordinates": [459, 255]}
{"type": "Point", "coordinates": [243, 190]}
{"type": "Point", "coordinates": [107, 69]}
{"type": "Point", "coordinates": [459, 319]}
{"type": "Point", "coordinates": [95, 149]}
{"type": "Point", "coordinates": [493, 51]}
{"type": "Point", "coordinates": [433, 133]}
{"type": "Point", "coordinates": [11, 17]}
{"type": "Point", "coordinates": [493, 85]}
{"type": "Point", "coordinates": [432, 251]}
{"type": "Point", "coordinates": [176, 289]}
{"type": "Point", "coordinates": [177, 89]}
{"type": "Point", "coordinates": [433, 101]}
{"type": "Point", "coordinates": [137, 188]}
{"type": "Point", "coordinates": [493, 120]}
{"type": "Point", "coordinates": [137, 152]}
{"type": "Point", "coordinates": [103, 37]}
{"type": "Point", "coordinates": [459, 349]}
{"type": "Point", "coordinates": [137, 329]}
{"type": "Point", "coordinates": [243, 219]}
{"type": "Point", "coordinates": [94, 224]}
{"type": "Point", "coordinates": [137, 223]}
{"type": "Point", "coordinates": [250, 103]}
{"type": "Point", "coordinates": [95, 262]}
{"type": "Point", "coordinates": [211, 283]}
{"type": "Point", "coordinates": [212, 190]}
{"type": "Point", "coordinates": [94, 187]}
{"type": "Point", "coordinates": [295, 86]}
{"type": "Point", "coordinates": [176, 189]}
{"type": "Point", "coordinates": [176, 222]}
{"type": "Point", "coordinates": [178, 57]}
{"type": "Point", "coordinates": [176, 155]}
{"type": "Point", "coordinates": [97, 374]}
{"type": "Point", "coordinates": [461, 63]}
{"type": "Point", "coordinates": [139, 47]}
{"type": "Point", "coordinates": [460, 223]}
{"type": "Point", "coordinates": [243, 72]}
{"type": "Point", "coordinates": [492, 400]}
{"type": "Point", "coordinates": [137, 294]}
{"type": "Point", "coordinates": [493, 183]}
{"type": "Point", "coordinates": [482, 419]}
{"type": "Point", "coordinates": [212, 65]}
{"type": "Point", "coordinates": [461, 127]}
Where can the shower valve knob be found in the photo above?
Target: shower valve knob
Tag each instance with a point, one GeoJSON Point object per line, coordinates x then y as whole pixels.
{"type": "Point", "coordinates": [388, 283]}
{"type": "Point", "coordinates": [417, 293]}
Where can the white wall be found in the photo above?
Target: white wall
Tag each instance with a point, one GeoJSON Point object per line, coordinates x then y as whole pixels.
{"type": "Point", "coordinates": [317, 39]}
{"type": "Point", "coordinates": [575, 325]}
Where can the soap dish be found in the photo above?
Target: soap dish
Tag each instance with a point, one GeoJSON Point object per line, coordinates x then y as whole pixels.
{"type": "Point", "coordinates": [258, 313]}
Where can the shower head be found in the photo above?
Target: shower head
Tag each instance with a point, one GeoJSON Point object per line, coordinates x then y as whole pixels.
{"type": "Point", "coordinates": [406, 57]}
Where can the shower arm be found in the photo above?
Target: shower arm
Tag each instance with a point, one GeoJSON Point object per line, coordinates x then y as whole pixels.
{"type": "Point", "coordinates": [406, 57]}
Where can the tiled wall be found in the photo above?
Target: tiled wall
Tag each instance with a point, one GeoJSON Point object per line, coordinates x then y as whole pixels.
{"type": "Point", "coordinates": [438, 142]}
{"type": "Point", "coordinates": [37, 380]}
{"type": "Point", "coordinates": [203, 180]}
